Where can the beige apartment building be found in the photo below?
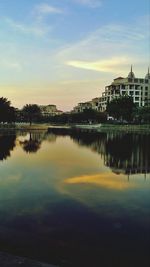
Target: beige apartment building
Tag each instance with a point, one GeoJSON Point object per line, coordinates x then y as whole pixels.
{"type": "Point", "coordinates": [50, 110]}
{"type": "Point", "coordinates": [138, 88]}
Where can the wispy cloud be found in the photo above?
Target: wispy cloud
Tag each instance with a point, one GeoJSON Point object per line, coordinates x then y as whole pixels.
{"type": "Point", "coordinates": [12, 65]}
{"type": "Point", "coordinates": [111, 48]}
{"type": "Point", "coordinates": [90, 3]}
{"type": "Point", "coordinates": [35, 29]}
{"type": "Point", "coordinates": [44, 9]}
{"type": "Point", "coordinates": [109, 65]}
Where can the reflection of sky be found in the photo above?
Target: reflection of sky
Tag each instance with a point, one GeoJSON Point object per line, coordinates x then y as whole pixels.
{"type": "Point", "coordinates": [63, 197]}
{"type": "Point", "coordinates": [62, 170]}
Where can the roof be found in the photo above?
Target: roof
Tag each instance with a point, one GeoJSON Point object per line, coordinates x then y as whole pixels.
{"type": "Point", "coordinates": [119, 78]}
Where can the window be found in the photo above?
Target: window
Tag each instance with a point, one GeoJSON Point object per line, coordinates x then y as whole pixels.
{"type": "Point", "coordinates": [146, 93]}
{"type": "Point", "coordinates": [136, 98]}
{"type": "Point", "coordinates": [123, 92]}
{"type": "Point", "coordinates": [131, 93]}
{"type": "Point", "coordinates": [146, 88]}
{"type": "Point", "coordinates": [137, 93]}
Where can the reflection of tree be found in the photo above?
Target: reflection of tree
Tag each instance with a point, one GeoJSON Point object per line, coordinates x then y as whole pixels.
{"type": "Point", "coordinates": [32, 145]}
{"type": "Point", "coordinates": [125, 152]}
{"type": "Point", "coordinates": [7, 144]}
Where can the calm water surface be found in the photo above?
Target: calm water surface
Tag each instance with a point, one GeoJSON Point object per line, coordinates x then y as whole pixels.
{"type": "Point", "coordinates": [76, 198]}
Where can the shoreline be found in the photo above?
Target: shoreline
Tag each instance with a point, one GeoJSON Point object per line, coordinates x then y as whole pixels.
{"type": "Point", "coordinates": [95, 127]}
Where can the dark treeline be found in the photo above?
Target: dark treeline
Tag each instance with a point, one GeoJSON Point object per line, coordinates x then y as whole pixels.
{"type": "Point", "coordinates": [121, 109]}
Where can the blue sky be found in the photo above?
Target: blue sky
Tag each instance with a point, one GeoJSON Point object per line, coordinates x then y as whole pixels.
{"type": "Point", "coordinates": [65, 51]}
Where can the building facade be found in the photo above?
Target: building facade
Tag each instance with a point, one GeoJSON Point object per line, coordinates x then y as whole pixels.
{"type": "Point", "coordinates": [50, 110]}
{"type": "Point", "coordinates": [137, 88]}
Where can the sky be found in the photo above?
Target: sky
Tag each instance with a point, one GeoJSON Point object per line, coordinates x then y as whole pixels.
{"type": "Point", "coordinates": [66, 51]}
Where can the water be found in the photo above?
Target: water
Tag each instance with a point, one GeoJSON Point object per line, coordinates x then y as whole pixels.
{"type": "Point", "coordinates": [76, 198]}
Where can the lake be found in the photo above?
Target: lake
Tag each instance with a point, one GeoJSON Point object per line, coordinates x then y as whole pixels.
{"type": "Point", "coordinates": [76, 198]}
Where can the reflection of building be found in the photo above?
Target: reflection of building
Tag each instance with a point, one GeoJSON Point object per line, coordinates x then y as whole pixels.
{"type": "Point", "coordinates": [50, 110]}
{"type": "Point", "coordinates": [138, 88]}
{"type": "Point", "coordinates": [122, 152]}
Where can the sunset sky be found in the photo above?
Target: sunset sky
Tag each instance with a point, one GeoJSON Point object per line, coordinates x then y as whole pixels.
{"type": "Point", "coordinates": [66, 51]}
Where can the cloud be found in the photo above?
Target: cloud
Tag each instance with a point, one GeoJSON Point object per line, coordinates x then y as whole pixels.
{"type": "Point", "coordinates": [90, 3]}
{"type": "Point", "coordinates": [110, 65]}
{"type": "Point", "coordinates": [13, 65]}
{"type": "Point", "coordinates": [36, 29]}
{"type": "Point", "coordinates": [45, 9]}
{"type": "Point", "coordinates": [111, 48]}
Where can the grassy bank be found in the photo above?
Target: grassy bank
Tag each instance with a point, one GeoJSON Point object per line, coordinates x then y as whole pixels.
{"type": "Point", "coordinates": [24, 126]}
{"type": "Point", "coordinates": [96, 127]}
{"type": "Point", "coordinates": [128, 127]}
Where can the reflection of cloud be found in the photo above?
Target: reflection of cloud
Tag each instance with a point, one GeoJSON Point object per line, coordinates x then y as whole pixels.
{"type": "Point", "coordinates": [14, 178]}
{"type": "Point", "coordinates": [107, 180]}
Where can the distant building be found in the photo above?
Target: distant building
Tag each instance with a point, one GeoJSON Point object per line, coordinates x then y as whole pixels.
{"type": "Point", "coordinates": [50, 110]}
{"type": "Point", "coordinates": [93, 104]}
{"type": "Point", "coordinates": [82, 106]}
{"type": "Point", "coordinates": [138, 88]}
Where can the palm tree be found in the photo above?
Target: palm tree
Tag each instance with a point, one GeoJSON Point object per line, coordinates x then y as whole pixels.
{"type": "Point", "coordinates": [31, 112]}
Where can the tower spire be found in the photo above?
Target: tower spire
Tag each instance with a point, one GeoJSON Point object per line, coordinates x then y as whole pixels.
{"type": "Point", "coordinates": [131, 74]}
{"type": "Point", "coordinates": [148, 74]}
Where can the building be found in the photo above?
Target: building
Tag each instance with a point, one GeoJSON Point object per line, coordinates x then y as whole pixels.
{"type": "Point", "coordinates": [93, 104]}
{"type": "Point", "coordinates": [138, 88]}
{"type": "Point", "coordinates": [82, 106]}
{"type": "Point", "coordinates": [50, 110]}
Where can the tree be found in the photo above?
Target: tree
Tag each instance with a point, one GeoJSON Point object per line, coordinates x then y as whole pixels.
{"type": "Point", "coordinates": [142, 114]}
{"type": "Point", "coordinates": [31, 112]}
{"type": "Point", "coordinates": [7, 112]}
{"type": "Point", "coordinates": [121, 108]}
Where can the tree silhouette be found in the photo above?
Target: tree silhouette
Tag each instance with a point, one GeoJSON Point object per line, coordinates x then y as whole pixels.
{"type": "Point", "coordinates": [7, 112]}
{"type": "Point", "coordinates": [31, 112]}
